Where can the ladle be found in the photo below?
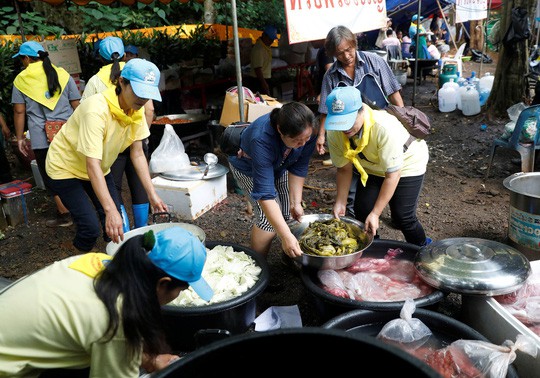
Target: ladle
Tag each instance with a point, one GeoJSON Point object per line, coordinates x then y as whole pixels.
{"type": "Point", "coordinates": [211, 160]}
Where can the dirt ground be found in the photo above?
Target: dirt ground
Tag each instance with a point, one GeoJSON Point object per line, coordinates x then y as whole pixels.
{"type": "Point", "coordinates": [456, 201]}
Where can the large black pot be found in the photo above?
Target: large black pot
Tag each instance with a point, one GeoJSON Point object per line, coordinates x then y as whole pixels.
{"type": "Point", "coordinates": [329, 306]}
{"type": "Point", "coordinates": [234, 316]}
{"type": "Point", "coordinates": [310, 350]}
{"type": "Point", "coordinates": [369, 323]}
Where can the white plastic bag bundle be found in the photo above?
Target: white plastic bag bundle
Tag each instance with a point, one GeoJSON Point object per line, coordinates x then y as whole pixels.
{"type": "Point", "coordinates": [529, 129]}
{"type": "Point", "coordinates": [170, 155]}
{"type": "Point", "coordinates": [406, 329]}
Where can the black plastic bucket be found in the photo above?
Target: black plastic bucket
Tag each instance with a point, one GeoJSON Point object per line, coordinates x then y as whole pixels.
{"type": "Point", "coordinates": [235, 316]}
{"type": "Point", "coordinates": [366, 323]}
{"type": "Point", "coordinates": [329, 306]}
{"type": "Point", "coordinates": [311, 350]}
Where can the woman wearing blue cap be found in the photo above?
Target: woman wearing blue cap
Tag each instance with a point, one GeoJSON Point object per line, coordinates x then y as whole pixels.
{"type": "Point", "coordinates": [415, 29]}
{"type": "Point", "coordinates": [42, 93]}
{"type": "Point", "coordinates": [390, 174]}
{"type": "Point", "coordinates": [112, 51]}
{"type": "Point", "coordinates": [100, 316]}
{"type": "Point", "coordinates": [81, 155]}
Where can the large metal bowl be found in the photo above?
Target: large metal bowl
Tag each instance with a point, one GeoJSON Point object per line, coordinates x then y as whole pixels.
{"type": "Point", "coordinates": [330, 262]}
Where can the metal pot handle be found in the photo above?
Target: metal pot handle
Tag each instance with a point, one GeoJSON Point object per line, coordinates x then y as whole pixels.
{"type": "Point", "coordinates": [162, 214]}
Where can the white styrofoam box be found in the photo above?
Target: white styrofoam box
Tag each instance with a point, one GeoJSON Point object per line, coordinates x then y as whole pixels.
{"type": "Point", "coordinates": [491, 319]}
{"type": "Point", "coordinates": [37, 175]}
{"type": "Point", "coordinates": [190, 199]}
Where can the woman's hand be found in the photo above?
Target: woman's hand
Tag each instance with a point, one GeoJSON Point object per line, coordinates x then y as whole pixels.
{"type": "Point", "coordinates": [320, 144]}
{"type": "Point", "coordinates": [160, 362]}
{"type": "Point", "coordinates": [339, 209]}
{"type": "Point", "coordinates": [114, 226]}
{"type": "Point", "coordinates": [297, 211]}
{"type": "Point", "coordinates": [372, 223]}
{"type": "Point", "coordinates": [23, 147]}
{"type": "Point", "coordinates": [290, 245]}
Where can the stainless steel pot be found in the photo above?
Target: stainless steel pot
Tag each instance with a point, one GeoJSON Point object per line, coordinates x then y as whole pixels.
{"type": "Point", "coordinates": [112, 247]}
{"type": "Point", "coordinates": [330, 262]}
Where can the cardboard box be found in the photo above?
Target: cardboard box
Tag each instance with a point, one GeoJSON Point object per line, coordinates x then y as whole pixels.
{"type": "Point", "coordinates": [491, 319]}
{"type": "Point", "coordinates": [37, 175]}
{"type": "Point", "coordinates": [16, 201]}
{"type": "Point", "coordinates": [257, 110]}
{"type": "Point", "coordinates": [190, 199]}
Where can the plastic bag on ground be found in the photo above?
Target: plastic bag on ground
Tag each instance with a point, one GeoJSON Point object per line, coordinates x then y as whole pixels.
{"type": "Point", "coordinates": [170, 155]}
{"type": "Point", "coordinates": [406, 329]}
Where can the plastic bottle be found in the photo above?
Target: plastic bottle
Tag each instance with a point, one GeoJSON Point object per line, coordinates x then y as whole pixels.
{"type": "Point", "coordinates": [462, 81]}
{"type": "Point", "coordinates": [470, 101]}
{"type": "Point", "coordinates": [455, 85]}
{"type": "Point", "coordinates": [447, 98]}
{"type": "Point", "coordinates": [461, 91]}
{"type": "Point", "coordinates": [486, 82]}
{"type": "Point", "coordinates": [474, 80]}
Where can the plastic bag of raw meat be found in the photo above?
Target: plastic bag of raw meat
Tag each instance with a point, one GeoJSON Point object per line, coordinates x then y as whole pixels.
{"type": "Point", "coordinates": [473, 358]}
{"type": "Point", "coordinates": [406, 329]}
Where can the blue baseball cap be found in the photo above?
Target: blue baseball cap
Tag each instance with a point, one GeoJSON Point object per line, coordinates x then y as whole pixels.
{"type": "Point", "coordinates": [110, 45]}
{"type": "Point", "coordinates": [415, 17]}
{"type": "Point", "coordinates": [271, 32]}
{"type": "Point", "coordinates": [30, 48]}
{"type": "Point", "coordinates": [144, 78]}
{"type": "Point", "coordinates": [182, 255]}
{"type": "Point", "coordinates": [132, 49]}
{"type": "Point", "coordinates": [343, 104]}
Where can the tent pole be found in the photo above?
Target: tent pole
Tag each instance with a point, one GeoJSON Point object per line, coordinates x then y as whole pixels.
{"type": "Point", "coordinates": [417, 36]}
{"type": "Point", "coordinates": [238, 62]}
{"type": "Point", "coordinates": [447, 25]}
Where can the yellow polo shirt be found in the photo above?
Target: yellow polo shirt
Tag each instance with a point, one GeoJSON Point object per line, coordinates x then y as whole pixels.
{"type": "Point", "coordinates": [93, 130]}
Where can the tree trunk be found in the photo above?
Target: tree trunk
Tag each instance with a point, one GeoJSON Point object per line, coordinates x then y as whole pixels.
{"type": "Point", "coordinates": [511, 85]}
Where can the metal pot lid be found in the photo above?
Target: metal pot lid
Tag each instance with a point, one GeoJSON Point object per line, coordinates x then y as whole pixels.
{"type": "Point", "coordinates": [196, 172]}
{"type": "Point", "coordinates": [472, 266]}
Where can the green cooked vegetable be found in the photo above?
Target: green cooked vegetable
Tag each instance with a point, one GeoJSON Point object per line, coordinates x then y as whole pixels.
{"type": "Point", "coordinates": [331, 237]}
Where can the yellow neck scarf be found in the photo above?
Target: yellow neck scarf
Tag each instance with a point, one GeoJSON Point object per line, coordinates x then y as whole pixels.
{"type": "Point", "coordinates": [33, 83]}
{"type": "Point", "coordinates": [104, 74]}
{"type": "Point", "coordinates": [134, 118]}
{"type": "Point", "coordinates": [352, 154]}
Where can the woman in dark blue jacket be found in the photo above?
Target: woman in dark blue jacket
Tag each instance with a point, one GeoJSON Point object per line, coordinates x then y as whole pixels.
{"type": "Point", "coordinates": [271, 168]}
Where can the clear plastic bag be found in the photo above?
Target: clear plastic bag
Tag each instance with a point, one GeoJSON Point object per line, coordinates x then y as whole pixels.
{"type": "Point", "coordinates": [529, 129]}
{"type": "Point", "coordinates": [490, 360]}
{"type": "Point", "coordinates": [170, 155]}
{"type": "Point", "coordinates": [406, 329]}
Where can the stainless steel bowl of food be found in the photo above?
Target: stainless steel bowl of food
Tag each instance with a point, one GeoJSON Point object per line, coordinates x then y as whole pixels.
{"type": "Point", "coordinates": [327, 260]}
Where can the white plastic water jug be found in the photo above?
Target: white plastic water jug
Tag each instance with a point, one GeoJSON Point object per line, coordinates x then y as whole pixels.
{"type": "Point", "coordinates": [451, 83]}
{"type": "Point", "coordinates": [447, 98]}
{"type": "Point", "coordinates": [486, 82]}
{"type": "Point", "coordinates": [470, 101]}
{"type": "Point", "coordinates": [461, 92]}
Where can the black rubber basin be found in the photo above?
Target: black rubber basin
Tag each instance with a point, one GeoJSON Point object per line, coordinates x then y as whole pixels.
{"type": "Point", "coordinates": [366, 323]}
{"type": "Point", "coordinates": [235, 316]}
{"type": "Point", "coordinates": [329, 306]}
{"type": "Point", "coordinates": [308, 349]}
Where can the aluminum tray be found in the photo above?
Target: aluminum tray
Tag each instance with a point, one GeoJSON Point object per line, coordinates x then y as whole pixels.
{"type": "Point", "coordinates": [196, 172]}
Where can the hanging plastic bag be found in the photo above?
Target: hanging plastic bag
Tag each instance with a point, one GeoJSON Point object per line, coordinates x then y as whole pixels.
{"type": "Point", "coordinates": [519, 29]}
{"type": "Point", "coordinates": [170, 155]}
{"type": "Point", "coordinates": [406, 329]}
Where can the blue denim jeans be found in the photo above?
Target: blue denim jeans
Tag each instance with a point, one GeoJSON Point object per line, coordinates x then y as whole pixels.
{"type": "Point", "coordinates": [86, 210]}
{"type": "Point", "coordinates": [402, 205]}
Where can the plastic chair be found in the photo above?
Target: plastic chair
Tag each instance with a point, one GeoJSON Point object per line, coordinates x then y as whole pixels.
{"type": "Point", "coordinates": [456, 59]}
{"type": "Point", "coordinates": [526, 150]}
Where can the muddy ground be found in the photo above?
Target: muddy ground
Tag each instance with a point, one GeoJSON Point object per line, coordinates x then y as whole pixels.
{"type": "Point", "coordinates": [457, 201]}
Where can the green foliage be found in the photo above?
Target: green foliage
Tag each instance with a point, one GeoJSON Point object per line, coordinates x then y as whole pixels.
{"type": "Point", "coordinates": [7, 75]}
{"type": "Point", "coordinates": [253, 14]}
{"type": "Point", "coordinates": [33, 23]}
